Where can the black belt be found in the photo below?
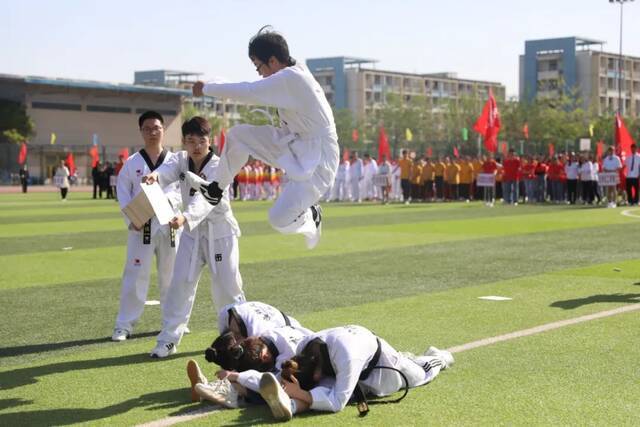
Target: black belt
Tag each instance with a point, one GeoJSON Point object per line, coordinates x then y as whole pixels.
{"type": "Point", "coordinates": [146, 234]}
{"type": "Point", "coordinates": [287, 321]}
{"type": "Point", "coordinates": [372, 364]}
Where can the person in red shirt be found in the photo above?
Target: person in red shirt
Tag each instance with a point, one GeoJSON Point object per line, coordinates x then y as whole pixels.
{"type": "Point", "coordinates": [511, 166]}
{"type": "Point", "coordinates": [489, 166]}
{"type": "Point", "coordinates": [541, 179]}
{"type": "Point", "coordinates": [554, 176]}
{"type": "Point", "coordinates": [529, 176]}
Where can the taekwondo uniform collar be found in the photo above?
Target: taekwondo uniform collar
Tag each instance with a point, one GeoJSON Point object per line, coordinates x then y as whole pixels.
{"type": "Point", "coordinates": [148, 161]}
{"type": "Point", "coordinates": [192, 166]}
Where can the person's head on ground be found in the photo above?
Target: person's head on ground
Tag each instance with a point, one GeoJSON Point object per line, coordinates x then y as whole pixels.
{"type": "Point", "coordinates": [269, 52]}
{"type": "Point", "coordinates": [151, 126]}
{"type": "Point", "coordinates": [310, 366]}
{"type": "Point", "coordinates": [196, 137]}
{"type": "Point", "coordinates": [225, 351]}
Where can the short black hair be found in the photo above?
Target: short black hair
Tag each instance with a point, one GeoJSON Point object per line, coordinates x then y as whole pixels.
{"type": "Point", "coordinates": [196, 126]}
{"type": "Point", "coordinates": [268, 43]}
{"type": "Point", "coordinates": [150, 114]}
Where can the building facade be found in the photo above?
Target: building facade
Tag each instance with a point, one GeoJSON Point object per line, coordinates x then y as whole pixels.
{"type": "Point", "coordinates": [550, 67]}
{"type": "Point", "coordinates": [354, 84]}
{"type": "Point", "coordinates": [83, 113]}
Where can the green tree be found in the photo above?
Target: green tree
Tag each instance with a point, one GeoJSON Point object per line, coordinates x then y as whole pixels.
{"type": "Point", "coordinates": [15, 125]}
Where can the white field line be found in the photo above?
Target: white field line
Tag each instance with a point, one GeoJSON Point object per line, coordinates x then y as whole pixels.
{"type": "Point", "coordinates": [630, 213]}
{"type": "Point", "coordinates": [203, 412]}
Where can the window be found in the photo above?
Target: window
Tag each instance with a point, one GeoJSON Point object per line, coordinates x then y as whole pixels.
{"type": "Point", "coordinates": [108, 109]}
{"type": "Point", "coordinates": [376, 80]}
{"type": "Point", "coordinates": [56, 106]}
{"type": "Point", "coordinates": [553, 65]}
{"type": "Point", "coordinates": [377, 97]}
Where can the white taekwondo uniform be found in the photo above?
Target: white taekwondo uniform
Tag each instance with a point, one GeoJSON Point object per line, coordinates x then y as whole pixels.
{"type": "Point", "coordinates": [351, 349]}
{"type": "Point", "coordinates": [210, 237]}
{"type": "Point", "coordinates": [305, 146]}
{"type": "Point", "coordinates": [254, 318]}
{"type": "Point", "coordinates": [370, 170]}
{"type": "Point", "coordinates": [341, 188]}
{"type": "Point", "coordinates": [142, 245]}
{"type": "Point", "coordinates": [356, 171]}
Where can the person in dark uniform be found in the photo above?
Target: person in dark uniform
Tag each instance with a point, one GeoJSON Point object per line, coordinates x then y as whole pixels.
{"type": "Point", "coordinates": [24, 177]}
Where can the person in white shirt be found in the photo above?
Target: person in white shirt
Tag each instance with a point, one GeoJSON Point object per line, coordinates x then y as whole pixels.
{"type": "Point", "coordinates": [383, 180]}
{"type": "Point", "coordinates": [587, 179]}
{"type": "Point", "coordinates": [61, 180]}
{"type": "Point", "coordinates": [356, 360]}
{"type": "Point", "coordinates": [632, 162]}
{"type": "Point", "coordinates": [611, 163]}
{"type": "Point", "coordinates": [596, 181]}
{"type": "Point", "coordinates": [370, 171]}
{"type": "Point", "coordinates": [210, 237]}
{"type": "Point", "coordinates": [356, 175]}
{"type": "Point", "coordinates": [571, 170]}
{"type": "Point", "coordinates": [153, 238]}
{"type": "Point", "coordinates": [305, 146]}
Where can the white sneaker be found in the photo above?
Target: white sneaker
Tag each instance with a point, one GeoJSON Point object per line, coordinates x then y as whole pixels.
{"type": "Point", "coordinates": [120, 335]}
{"type": "Point", "coordinates": [220, 392]}
{"type": "Point", "coordinates": [163, 349]}
{"type": "Point", "coordinates": [278, 401]}
{"type": "Point", "coordinates": [196, 377]}
{"type": "Point", "coordinates": [313, 241]}
{"type": "Point", "coordinates": [444, 355]}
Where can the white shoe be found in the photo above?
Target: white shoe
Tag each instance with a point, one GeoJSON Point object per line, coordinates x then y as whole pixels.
{"type": "Point", "coordinates": [196, 377]}
{"type": "Point", "coordinates": [272, 392]}
{"type": "Point", "coordinates": [120, 335]}
{"type": "Point", "coordinates": [220, 392]}
{"type": "Point", "coordinates": [444, 355]}
{"type": "Point", "coordinates": [186, 330]}
{"type": "Point", "coordinates": [313, 241]}
{"type": "Point", "coordinates": [163, 349]}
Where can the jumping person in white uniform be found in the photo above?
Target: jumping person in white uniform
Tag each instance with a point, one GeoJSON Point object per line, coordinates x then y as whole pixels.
{"type": "Point", "coordinates": [305, 146]}
{"type": "Point", "coordinates": [153, 238]}
{"type": "Point", "coordinates": [210, 238]}
{"type": "Point", "coordinates": [355, 358]}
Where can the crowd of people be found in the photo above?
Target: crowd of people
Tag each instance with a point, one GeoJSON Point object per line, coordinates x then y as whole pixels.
{"type": "Point", "coordinates": [562, 178]}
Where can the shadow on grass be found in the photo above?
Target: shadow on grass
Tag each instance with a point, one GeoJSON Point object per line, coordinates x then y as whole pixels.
{"type": "Point", "coordinates": [260, 414]}
{"type": "Point", "coordinates": [41, 348]}
{"type": "Point", "coordinates": [570, 304]}
{"type": "Point", "coordinates": [24, 376]}
{"type": "Point", "coordinates": [46, 417]}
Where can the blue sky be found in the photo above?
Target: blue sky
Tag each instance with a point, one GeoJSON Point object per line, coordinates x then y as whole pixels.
{"type": "Point", "coordinates": [109, 40]}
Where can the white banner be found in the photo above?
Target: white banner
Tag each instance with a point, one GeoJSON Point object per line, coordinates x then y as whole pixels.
{"type": "Point", "coordinates": [113, 180]}
{"type": "Point", "coordinates": [486, 180]}
{"type": "Point", "coordinates": [58, 181]}
{"type": "Point", "coordinates": [608, 179]}
{"type": "Point", "coordinates": [585, 144]}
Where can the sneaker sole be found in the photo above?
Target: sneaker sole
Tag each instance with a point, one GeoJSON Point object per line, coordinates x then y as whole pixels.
{"type": "Point", "coordinates": [195, 376]}
{"type": "Point", "coordinates": [270, 390]}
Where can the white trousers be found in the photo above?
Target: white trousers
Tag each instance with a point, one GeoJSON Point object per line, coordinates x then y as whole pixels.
{"type": "Point", "coordinates": [290, 213]}
{"type": "Point", "coordinates": [137, 271]}
{"type": "Point", "coordinates": [226, 282]}
{"type": "Point", "coordinates": [419, 370]}
{"type": "Point", "coordinates": [355, 190]}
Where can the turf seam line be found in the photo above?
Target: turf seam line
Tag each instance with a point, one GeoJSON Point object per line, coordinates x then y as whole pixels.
{"type": "Point", "coordinates": [542, 328]}
{"type": "Point", "coordinates": [203, 412]}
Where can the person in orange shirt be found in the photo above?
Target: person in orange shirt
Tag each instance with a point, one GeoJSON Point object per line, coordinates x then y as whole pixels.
{"type": "Point", "coordinates": [428, 175]}
{"type": "Point", "coordinates": [405, 165]}
{"type": "Point", "coordinates": [452, 178]}
{"type": "Point", "coordinates": [417, 184]}
{"type": "Point", "coordinates": [439, 169]}
{"type": "Point", "coordinates": [477, 168]}
{"type": "Point", "coordinates": [466, 178]}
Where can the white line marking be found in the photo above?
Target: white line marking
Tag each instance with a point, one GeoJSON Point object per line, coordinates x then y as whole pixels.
{"type": "Point", "coordinates": [542, 328]}
{"type": "Point", "coordinates": [189, 416]}
{"type": "Point", "coordinates": [629, 213]}
{"type": "Point", "coordinates": [203, 412]}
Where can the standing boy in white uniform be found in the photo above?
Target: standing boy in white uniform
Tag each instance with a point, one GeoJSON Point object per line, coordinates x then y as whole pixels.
{"type": "Point", "coordinates": [210, 237]}
{"type": "Point", "coordinates": [153, 238]}
{"type": "Point", "coordinates": [306, 145]}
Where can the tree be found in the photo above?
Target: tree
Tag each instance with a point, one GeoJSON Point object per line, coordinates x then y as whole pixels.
{"type": "Point", "coordinates": [15, 125]}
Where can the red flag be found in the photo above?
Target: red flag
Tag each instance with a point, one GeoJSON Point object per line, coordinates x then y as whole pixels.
{"type": "Point", "coordinates": [71, 164]}
{"type": "Point", "coordinates": [552, 150]}
{"type": "Point", "coordinates": [95, 157]}
{"type": "Point", "coordinates": [456, 153]}
{"type": "Point", "coordinates": [429, 152]}
{"type": "Point", "coordinates": [22, 155]}
{"type": "Point", "coordinates": [623, 137]}
{"type": "Point", "coordinates": [599, 149]}
{"type": "Point", "coordinates": [345, 155]}
{"type": "Point", "coordinates": [222, 140]}
{"type": "Point", "coordinates": [383, 145]}
{"type": "Point", "coordinates": [525, 130]}
{"type": "Point", "coordinates": [504, 149]}
{"type": "Point", "coordinates": [355, 136]}
{"type": "Point", "coordinates": [124, 153]}
{"type": "Point", "coordinates": [488, 124]}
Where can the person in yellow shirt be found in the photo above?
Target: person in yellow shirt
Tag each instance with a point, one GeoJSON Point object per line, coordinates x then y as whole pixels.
{"type": "Point", "coordinates": [453, 179]}
{"type": "Point", "coordinates": [428, 175]}
{"type": "Point", "coordinates": [405, 164]}
{"type": "Point", "coordinates": [466, 178]}
{"type": "Point", "coordinates": [416, 180]}
{"type": "Point", "coordinates": [439, 169]}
